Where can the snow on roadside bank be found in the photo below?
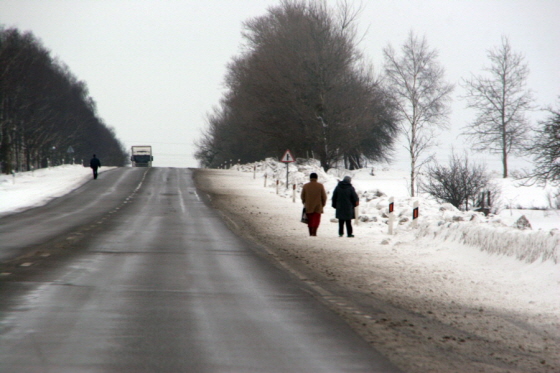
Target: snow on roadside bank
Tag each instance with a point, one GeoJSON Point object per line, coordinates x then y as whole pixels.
{"type": "Point", "coordinates": [446, 269]}
{"type": "Point", "coordinates": [495, 233]}
{"type": "Point", "coordinates": [495, 308]}
{"type": "Point", "coordinates": [36, 188]}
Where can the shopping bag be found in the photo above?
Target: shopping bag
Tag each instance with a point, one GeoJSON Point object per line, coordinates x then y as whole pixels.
{"type": "Point", "coordinates": [303, 216]}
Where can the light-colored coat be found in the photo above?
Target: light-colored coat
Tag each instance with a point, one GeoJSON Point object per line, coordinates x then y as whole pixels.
{"type": "Point", "coordinates": [314, 197]}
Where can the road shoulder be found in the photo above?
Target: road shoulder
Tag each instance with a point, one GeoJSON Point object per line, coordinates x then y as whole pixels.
{"type": "Point", "coordinates": [415, 334]}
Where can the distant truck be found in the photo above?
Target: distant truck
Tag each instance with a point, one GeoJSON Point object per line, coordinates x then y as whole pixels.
{"type": "Point", "coordinates": [141, 156]}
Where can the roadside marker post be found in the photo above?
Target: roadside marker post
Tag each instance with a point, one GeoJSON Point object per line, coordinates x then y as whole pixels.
{"type": "Point", "coordinates": [391, 214]}
{"type": "Point", "coordinates": [294, 197]}
{"type": "Point", "coordinates": [415, 214]}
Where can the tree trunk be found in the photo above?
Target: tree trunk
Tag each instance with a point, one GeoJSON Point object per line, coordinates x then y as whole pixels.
{"type": "Point", "coordinates": [5, 153]}
{"type": "Point", "coordinates": [412, 175]}
{"type": "Point", "coordinates": [504, 149]}
{"type": "Point", "coordinates": [412, 151]}
{"type": "Point", "coordinates": [324, 162]}
{"type": "Point", "coordinates": [505, 164]}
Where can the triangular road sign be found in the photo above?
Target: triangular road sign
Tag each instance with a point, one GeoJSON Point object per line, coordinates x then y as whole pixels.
{"type": "Point", "coordinates": [288, 157]}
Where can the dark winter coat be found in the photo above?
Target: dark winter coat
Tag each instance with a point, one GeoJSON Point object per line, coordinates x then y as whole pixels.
{"type": "Point", "coordinates": [95, 163]}
{"type": "Point", "coordinates": [344, 200]}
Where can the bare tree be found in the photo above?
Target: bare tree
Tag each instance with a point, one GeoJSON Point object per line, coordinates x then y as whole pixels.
{"type": "Point", "coordinates": [457, 183]}
{"type": "Point", "coordinates": [416, 81]}
{"type": "Point", "coordinates": [501, 101]}
{"type": "Point", "coordinates": [546, 150]}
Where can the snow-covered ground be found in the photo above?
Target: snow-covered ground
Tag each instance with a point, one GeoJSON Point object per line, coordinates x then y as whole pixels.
{"type": "Point", "coordinates": [35, 188]}
{"type": "Point", "coordinates": [478, 274]}
{"type": "Point", "coordinates": [512, 268]}
{"type": "Point", "coordinates": [541, 270]}
{"type": "Point", "coordinates": [453, 259]}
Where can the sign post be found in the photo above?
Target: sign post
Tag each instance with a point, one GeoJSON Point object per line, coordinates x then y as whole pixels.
{"type": "Point", "coordinates": [287, 159]}
{"type": "Point", "coordinates": [70, 152]}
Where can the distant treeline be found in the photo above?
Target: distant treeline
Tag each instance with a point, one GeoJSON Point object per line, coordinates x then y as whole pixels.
{"type": "Point", "coordinates": [46, 114]}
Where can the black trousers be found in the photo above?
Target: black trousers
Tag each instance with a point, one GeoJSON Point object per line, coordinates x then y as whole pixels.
{"type": "Point", "coordinates": [94, 172]}
{"type": "Point", "coordinates": [341, 224]}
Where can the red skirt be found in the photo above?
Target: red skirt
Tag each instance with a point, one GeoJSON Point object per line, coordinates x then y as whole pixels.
{"type": "Point", "coordinates": [313, 219]}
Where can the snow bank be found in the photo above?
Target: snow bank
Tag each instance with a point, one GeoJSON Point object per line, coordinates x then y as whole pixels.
{"type": "Point", "coordinates": [528, 246]}
{"type": "Point", "coordinates": [36, 188]}
{"type": "Point", "coordinates": [493, 234]}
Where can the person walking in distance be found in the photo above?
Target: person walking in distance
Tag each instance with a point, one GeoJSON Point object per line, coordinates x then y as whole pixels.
{"type": "Point", "coordinates": [314, 198]}
{"type": "Point", "coordinates": [94, 163]}
{"type": "Point", "coordinates": [344, 200]}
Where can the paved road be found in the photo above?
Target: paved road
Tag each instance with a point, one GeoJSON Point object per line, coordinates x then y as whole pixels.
{"type": "Point", "coordinates": [162, 285]}
{"type": "Point", "coordinates": [23, 232]}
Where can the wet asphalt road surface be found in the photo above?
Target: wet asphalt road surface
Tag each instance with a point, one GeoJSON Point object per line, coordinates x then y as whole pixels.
{"type": "Point", "coordinates": [144, 277]}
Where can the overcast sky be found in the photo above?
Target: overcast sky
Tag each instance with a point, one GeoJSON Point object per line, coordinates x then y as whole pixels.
{"type": "Point", "coordinates": [155, 68]}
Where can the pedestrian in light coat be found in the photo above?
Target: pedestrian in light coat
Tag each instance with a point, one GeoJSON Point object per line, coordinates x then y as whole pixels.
{"type": "Point", "coordinates": [344, 200]}
{"type": "Point", "coordinates": [314, 198]}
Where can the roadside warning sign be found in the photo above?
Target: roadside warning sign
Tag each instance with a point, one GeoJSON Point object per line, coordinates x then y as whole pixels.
{"type": "Point", "coordinates": [288, 157]}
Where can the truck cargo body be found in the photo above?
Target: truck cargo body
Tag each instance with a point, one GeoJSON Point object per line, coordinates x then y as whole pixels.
{"type": "Point", "coordinates": [141, 156]}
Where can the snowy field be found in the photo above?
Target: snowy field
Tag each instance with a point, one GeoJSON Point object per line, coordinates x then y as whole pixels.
{"type": "Point", "coordinates": [451, 260]}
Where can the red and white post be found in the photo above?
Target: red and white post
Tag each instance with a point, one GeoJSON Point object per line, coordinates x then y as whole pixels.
{"type": "Point", "coordinates": [391, 214]}
{"type": "Point", "coordinates": [415, 214]}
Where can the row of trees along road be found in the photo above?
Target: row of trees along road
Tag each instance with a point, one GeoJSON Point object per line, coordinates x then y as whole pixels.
{"type": "Point", "coordinates": [301, 84]}
{"type": "Point", "coordinates": [46, 114]}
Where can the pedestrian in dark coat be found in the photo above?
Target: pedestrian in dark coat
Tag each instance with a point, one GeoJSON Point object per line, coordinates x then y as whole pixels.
{"type": "Point", "coordinates": [314, 198]}
{"type": "Point", "coordinates": [94, 163]}
{"type": "Point", "coordinates": [344, 200]}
